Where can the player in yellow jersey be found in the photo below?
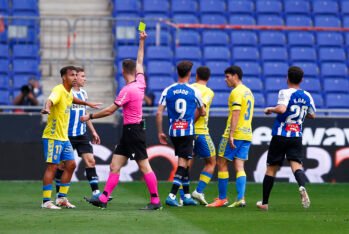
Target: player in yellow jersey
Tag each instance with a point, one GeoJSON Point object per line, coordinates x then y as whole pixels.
{"type": "Point", "coordinates": [236, 140]}
{"type": "Point", "coordinates": [57, 146]}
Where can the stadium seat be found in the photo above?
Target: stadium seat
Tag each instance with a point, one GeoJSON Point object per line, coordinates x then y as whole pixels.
{"type": "Point", "coordinates": [163, 53]}
{"type": "Point", "coordinates": [275, 69]}
{"type": "Point", "coordinates": [25, 6]}
{"type": "Point", "coordinates": [184, 6]}
{"type": "Point", "coordinates": [268, 6]}
{"type": "Point", "coordinates": [337, 100]}
{"type": "Point", "coordinates": [220, 99]}
{"type": "Point", "coordinates": [23, 19]}
{"type": "Point", "coordinates": [275, 84]}
{"type": "Point", "coordinates": [344, 7]}
{"type": "Point", "coordinates": [269, 38]}
{"type": "Point", "coordinates": [242, 19]}
{"type": "Point", "coordinates": [245, 53]}
{"type": "Point", "coordinates": [332, 54]}
{"type": "Point", "coordinates": [4, 51]}
{"type": "Point", "coordinates": [126, 52]}
{"type": "Point", "coordinates": [259, 100]}
{"type": "Point", "coordinates": [329, 39]}
{"type": "Point", "coordinates": [160, 68]}
{"type": "Point", "coordinates": [20, 80]}
{"type": "Point", "coordinates": [274, 54]}
{"type": "Point", "coordinates": [299, 20]}
{"type": "Point", "coordinates": [216, 53]}
{"type": "Point", "coordinates": [4, 67]}
{"type": "Point", "coordinates": [153, 19]}
{"type": "Point", "coordinates": [250, 68]}
{"type": "Point", "coordinates": [165, 38]}
{"type": "Point", "coordinates": [334, 70]}
{"type": "Point", "coordinates": [157, 95]}
{"type": "Point", "coordinates": [325, 7]}
{"type": "Point", "coordinates": [345, 21]}
{"type": "Point", "coordinates": [217, 68]}
{"type": "Point", "coordinates": [255, 84]}
{"type": "Point", "coordinates": [296, 7]}
{"type": "Point", "coordinates": [212, 6]}
{"type": "Point", "coordinates": [241, 6]}
{"type": "Point", "coordinates": [217, 83]}
{"type": "Point", "coordinates": [310, 69]}
{"type": "Point", "coordinates": [215, 38]}
{"type": "Point", "coordinates": [301, 39]}
{"type": "Point", "coordinates": [185, 19]}
{"type": "Point", "coordinates": [159, 83]}
{"type": "Point", "coordinates": [312, 85]}
{"type": "Point", "coordinates": [25, 51]}
{"type": "Point", "coordinates": [272, 20]}
{"type": "Point", "coordinates": [302, 54]}
{"type": "Point", "coordinates": [272, 99]}
{"type": "Point", "coordinates": [4, 82]}
{"type": "Point", "coordinates": [327, 21]}
{"type": "Point", "coordinates": [318, 100]}
{"type": "Point", "coordinates": [3, 37]}
{"type": "Point", "coordinates": [26, 66]}
{"type": "Point", "coordinates": [4, 7]}
{"type": "Point", "coordinates": [188, 38]}
{"type": "Point", "coordinates": [156, 6]}
{"type": "Point", "coordinates": [213, 19]}
{"type": "Point", "coordinates": [4, 97]}
{"type": "Point", "coordinates": [130, 6]}
{"type": "Point", "coordinates": [244, 38]}
{"type": "Point", "coordinates": [22, 35]}
{"type": "Point", "coordinates": [196, 64]}
{"type": "Point", "coordinates": [333, 85]}
{"type": "Point", "coordinates": [192, 53]}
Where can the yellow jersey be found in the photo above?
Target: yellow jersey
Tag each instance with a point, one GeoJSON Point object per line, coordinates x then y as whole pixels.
{"type": "Point", "coordinates": [201, 125]}
{"type": "Point", "coordinates": [58, 120]}
{"type": "Point", "coordinates": [241, 98]}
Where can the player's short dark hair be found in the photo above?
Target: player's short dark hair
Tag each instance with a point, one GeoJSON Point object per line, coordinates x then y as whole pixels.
{"type": "Point", "coordinates": [183, 68]}
{"type": "Point", "coordinates": [295, 74]}
{"type": "Point", "coordinates": [203, 73]}
{"type": "Point", "coordinates": [234, 70]}
{"type": "Point", "coordinates": [129, 66]}
{"type": "Point", "coordinates": [79, 69]}
{"type": "Point", "coordinates": [65, 69]}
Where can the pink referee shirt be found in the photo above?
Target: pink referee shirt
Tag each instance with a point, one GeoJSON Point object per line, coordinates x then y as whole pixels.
{"type": "Point", "coordinates": [130, 99]}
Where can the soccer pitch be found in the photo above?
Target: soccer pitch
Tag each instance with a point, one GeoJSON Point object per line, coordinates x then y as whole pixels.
{"type": "Point", "coordinates": [20, 211]}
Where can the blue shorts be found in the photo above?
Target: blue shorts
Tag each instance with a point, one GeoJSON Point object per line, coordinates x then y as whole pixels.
{"type": "Point", "coordinates": [56, 151]}
{"type": "Point", "coordinates": [204, 147]}
{"type": "Point", "coordinates": [240, 152]}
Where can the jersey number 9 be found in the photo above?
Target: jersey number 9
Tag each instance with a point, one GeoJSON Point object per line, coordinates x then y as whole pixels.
{"type": "Point", "coordinates": [181, 107]}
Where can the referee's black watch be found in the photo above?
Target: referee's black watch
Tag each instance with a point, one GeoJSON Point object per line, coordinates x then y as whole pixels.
{"type": "Point", "coordinates": [91, 116]}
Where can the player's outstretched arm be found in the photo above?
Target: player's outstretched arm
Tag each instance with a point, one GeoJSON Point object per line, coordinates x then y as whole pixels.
{"type": "Point", "coordinates": [100, 114]}
{"type": "Point", "coordinates": [161, 135]}
{"type": "Point", "coordinates": [279, 109]}
{"type": "Point", "coordinates": [47, 107]}
{"type": "Point", "coordinates": [94, 105]}
{"type": "Point", "coordinates": [140, 54]}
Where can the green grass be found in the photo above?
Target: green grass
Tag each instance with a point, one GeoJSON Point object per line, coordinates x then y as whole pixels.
{"type": "Point", "coordinates": [329, 212]}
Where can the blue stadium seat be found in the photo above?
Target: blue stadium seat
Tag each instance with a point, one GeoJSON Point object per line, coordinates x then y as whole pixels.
{"type": "Point", "coordinates": [327, 21]}
{"type": "Point", "coordinates": [217, 83]}
{"type": "Point", "coordinates": [3, 37]}
{"type": "Point", "coordinates": [318, 100]}
{"type": "Point", "coordinates": [217, 68]}
{"type": "Point", "coordinates": [163, 53]}
{"type": "Point", "coordinates": [332, 54]}
{"type": "Point", "coordinates": [4, 7]}
{"type": "Point", "coordinates": [4, 82]}
{"type": "Point", "coordinates": [152, 19]}
{"type": "Point", "coordinates": [334, 70]}
{"type": "Point", "coordinates": [220, 99]}
{"type": "Point", "coordinates": [275, 69]}
{"type": "Point", "coordinates": [255, 84]}
{"type": "Point", "coordinates": [301, 39]}
{"type": "Point", "coordinates": [333, 85]}
{"type": "Point", "coordinates": [184, 6]}
{"type": "Point", "coordinates": [4, 97]}
{"type": "Point", "coordinates": [275, 84]}
{"type": "Point", "coordinates": [268, 6]}
{"type": "Point", "coordinates": [250, 68]}
{"type": "Point", "coordinates": [241, 6]}
{"type": "Point", "coordinates": [4, 51]}
{"type": "Point", "coordinates": [185, 38]}
{"type": "Point", "coordinates": [274, 54]}
{"type": "Point", "coordinates": [302, 54]}
{"type": "Point", "coordinates": [337, 100]}
{"type": "Point", "coordinates": [25, 51]}
{"type": "Point", "coordinates": [26, 66]}
{"type": "Point", "coordinates": [299, 20]}
{"type": "Point", "coordinates": [20, 80]}
{"type": "Point", "coordinates": [268, 38]}
{"type": "Point", "coordinates": [345, 21]}
{"type": "Point", "coordinates": [126, 52]}
{"type": "Point", "coordinates": [23, 19]}
{"type": "Point", "coordinates": [245, 53]}
{"type": "Point", "coordinates": [196, 64]}
{"type": "Point", "coordinates": [312, 85]}
{"type": "Point", "coordinates": [25, 5]}
{"type": "Point", "coordinates": [325, 7]}
{"type": "Point", "coordinates": [296, 7]}
{"type": "Point", "coordinates": [216, 53]}
{"type": "Point", "coordinates": [215, 38]}
{"type": "Point", "coordinates": [192, 53]}
{"type": "Point", "coordinates": [156, 6]}
{"type": "Point", "coordinates": [272, 20]}
{"type": "Point", "coordinates": [165, 38]}
{"type": "Point", "coordinates": [272, 99]}
{"type": "Point", "coordinates": [30, 37]}
{"type": "Point", "coordinates": [344, 7]}
{"type": "Point", "coordinates": [185, 19]}
{"type": "Point", "coordinates": [309, 68]}
{"type": "Point", "coordinates": [160, 68]}
{"type": "Point", "coordinates": [241, 19]}
{"type": "Point", "coordinates": [212, 6]}
{"type": "Point", "coordinates": [159, 83]}
{"type": "Point", "coordinates": [130, 6]}
{"type": "Point", "coordinates": [157, 95]}
{"type": "Point", "coordinates": [259, 100]}
{"type": "Point", "coordinates": [213, 19]}
{"type": "Point", "coordinates": [330, 39]}
{"type": "Point", "coordinates": [4, 66]}
{"type": "Point", "coordinates": [244, 38]}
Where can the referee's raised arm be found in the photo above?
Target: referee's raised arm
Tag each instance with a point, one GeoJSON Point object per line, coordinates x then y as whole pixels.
{"type": "Point", "coordinates": [140, 54]}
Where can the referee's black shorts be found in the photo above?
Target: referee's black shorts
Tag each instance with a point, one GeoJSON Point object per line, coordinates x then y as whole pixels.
{"type": "Point", "coordinates": [81, 144]}
{"type": "Point", "coordinates": [184, 146]}
{"type": "Point", "coordinates": [132, 143]}
{"type": "Point", "coordinates": [281, 147]}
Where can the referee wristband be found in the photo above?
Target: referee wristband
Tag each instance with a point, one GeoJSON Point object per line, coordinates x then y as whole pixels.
{"type": "Point", "coordinates": [91, 116]}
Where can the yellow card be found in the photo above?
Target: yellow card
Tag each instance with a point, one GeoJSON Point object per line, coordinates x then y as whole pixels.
{"type": "Point", "coordinates": [141, 26]}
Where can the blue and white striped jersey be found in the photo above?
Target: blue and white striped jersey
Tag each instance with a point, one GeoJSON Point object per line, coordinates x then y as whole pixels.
{"type": "Point", "coordinates": [77, 128]}
{"type": "Point", "coordinates": [299, 103]}
{"type": "Point", "coordinates": [181, 100]}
